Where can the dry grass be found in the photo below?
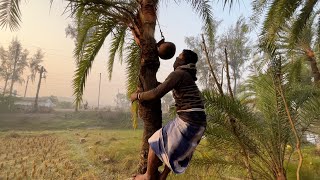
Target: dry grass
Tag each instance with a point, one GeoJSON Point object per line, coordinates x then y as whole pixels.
{"type": "Point", "coordinates": [61, 155]}
{"type": "Point", "coordinates": [35, 157]}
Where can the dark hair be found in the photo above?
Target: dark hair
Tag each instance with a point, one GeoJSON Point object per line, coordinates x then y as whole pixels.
{"type": "Point", "coordinates": [190, 56]}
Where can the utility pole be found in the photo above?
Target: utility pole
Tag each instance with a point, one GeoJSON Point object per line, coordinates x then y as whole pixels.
{"type": "Point", "coordinates": [25, 90]}
{"type": "Point", "coordinates": [42, 70]}
{"type": "Point", "coordinates": [99, 92]}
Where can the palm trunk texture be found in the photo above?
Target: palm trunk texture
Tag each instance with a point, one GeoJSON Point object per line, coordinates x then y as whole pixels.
{"type": "Point", "coordinates": [5, 86]}
{"type": "Point", "coordinates": [35, 108]}
{"type": "Point", "coordinates": [313, 65]}
{"type": "Point", "coordinates": [150, 112]}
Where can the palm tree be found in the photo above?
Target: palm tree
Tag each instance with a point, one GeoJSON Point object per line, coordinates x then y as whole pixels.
{"type": "Point", "coordinates": [261, 123]}
{"type": "Point", "coordinates": [131, 26]}
{"type": "Point", "coordinates": [305, 46]}
{"type": "Point", "coordinates": [279, 12]}
{"type": "Point", "coordinates": [35, 68]}
{"type": "Point", "coordinates": [120, 19]}
{"type": "Point", "coordinates": [277, 15]}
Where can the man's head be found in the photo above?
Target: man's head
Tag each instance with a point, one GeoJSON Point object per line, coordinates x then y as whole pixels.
{"type": "Point", "coordinates": [186, 57]}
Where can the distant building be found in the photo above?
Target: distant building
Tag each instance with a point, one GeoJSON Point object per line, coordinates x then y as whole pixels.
{"type": "Point", "coordinates": [29, 102]}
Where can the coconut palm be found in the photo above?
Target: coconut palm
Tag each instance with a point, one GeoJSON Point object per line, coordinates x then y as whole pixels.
{"type": "Point", "coordinates": [131, 27]}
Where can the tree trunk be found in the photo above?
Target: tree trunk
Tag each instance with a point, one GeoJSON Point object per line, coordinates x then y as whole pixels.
{"type": "Point", "coordinates": [25, 90]}
{"type": "Point", "coordinates": [313, 65]}
{"type": "Point", "coordinates": [149, 112]}
{"type": "Point", "coordinates": [234, 84]}
{"type": "Point", "coordinates": [35, 107]}
{"type": "Point", "coordinates": [281, 176]}
{"type": "Point", "coordinates": [5, 86]}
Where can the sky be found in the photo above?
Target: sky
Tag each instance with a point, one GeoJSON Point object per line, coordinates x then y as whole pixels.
{"type": "Point", "coordinates": [44, 27]}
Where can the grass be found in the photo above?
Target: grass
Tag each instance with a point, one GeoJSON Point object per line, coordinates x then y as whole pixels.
{"type": "Point", "coordinates": [94, 145]}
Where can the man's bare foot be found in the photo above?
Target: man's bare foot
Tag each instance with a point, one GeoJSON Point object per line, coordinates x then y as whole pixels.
{"type": "Point", "coordinates": [141, 177]}
{"type": "Point", "coordinates": [163, 176]}
{"type": "Point", "coordinates": [146, 177]}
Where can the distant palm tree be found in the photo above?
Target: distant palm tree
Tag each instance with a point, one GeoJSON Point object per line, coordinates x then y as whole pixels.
{"type": "Point", "coordinates": [131, 25]}
{"type": "Point", "coordinates": [35, 68]}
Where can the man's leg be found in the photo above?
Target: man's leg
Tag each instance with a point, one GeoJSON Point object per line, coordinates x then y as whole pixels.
{"type": "Point", "coordinates": [152, 168]}
{"type": "Point", "coordinates": [165, 173]}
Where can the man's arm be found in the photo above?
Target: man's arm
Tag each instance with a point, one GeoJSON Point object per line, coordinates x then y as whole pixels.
{"type": "Point", "coordinates": [171, 81]}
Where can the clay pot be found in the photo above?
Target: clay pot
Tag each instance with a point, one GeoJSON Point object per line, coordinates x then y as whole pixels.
{"type": "Point", "coordinates": [166, 50]}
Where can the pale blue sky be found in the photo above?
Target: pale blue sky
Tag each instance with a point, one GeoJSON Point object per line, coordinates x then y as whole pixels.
{"type": "Point", "coordinates": [44, 28]}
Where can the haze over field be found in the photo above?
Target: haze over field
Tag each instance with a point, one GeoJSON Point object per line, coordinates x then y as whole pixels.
{"type": "Point", "coordinates": [44, 28]}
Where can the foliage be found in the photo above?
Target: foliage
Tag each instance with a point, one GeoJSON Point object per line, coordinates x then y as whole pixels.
{"type": "Point", "coordinates": [10, 14]}
{"type": "Point", "coordinates": [34, 63]}
{"type": "Point", "coordinates": [237, 43]}
{"type": "Point", "coordinates": [262, 126]}
{"type": "Point", "coordinates": [6, 102]}
{"type": "Point", "coordinates": [14, 61]}
{"type": "Point", "coordinates": [122, 101]}
{"type": "Point", "coordinates": [277, 14]}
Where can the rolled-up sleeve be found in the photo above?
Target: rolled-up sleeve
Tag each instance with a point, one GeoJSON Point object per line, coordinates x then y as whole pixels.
{"type": "Point", "coordinates": [171, 81]}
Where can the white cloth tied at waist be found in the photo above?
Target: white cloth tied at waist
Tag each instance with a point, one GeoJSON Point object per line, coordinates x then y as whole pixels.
{"type": "Point", "coordinates": [191, 110]}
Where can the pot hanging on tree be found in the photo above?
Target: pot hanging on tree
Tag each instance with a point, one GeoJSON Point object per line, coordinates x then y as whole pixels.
{"type": "Point", "coordinates": [166, 50]}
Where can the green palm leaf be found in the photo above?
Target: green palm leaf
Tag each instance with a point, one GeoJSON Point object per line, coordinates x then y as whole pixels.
{"type": "Point", "coordinates": [117, 43]}
{"type": "Point", "coordinates": [300, 23]}
{"type": "Point", "coordinates": [90, 50]}
{"type": "Point", "coordinates": [133, 68]}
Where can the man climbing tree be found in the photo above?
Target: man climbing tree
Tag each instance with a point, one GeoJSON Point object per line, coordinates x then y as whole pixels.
{"type": "Point", "coordinates": [175, 143]}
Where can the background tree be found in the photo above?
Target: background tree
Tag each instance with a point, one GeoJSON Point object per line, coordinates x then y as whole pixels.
{"type": "Point", "coordinates": [18, 57]}
{"type": "Point", "coordinates": [203, 70]}
{"type": "Point", "coordinates": [167, 101]}
{"type": "Point", "coordinates": [6, 68]}
{"type": "Point", "coordinates": [122, 101]}
{"type": "Point", "coordinates": [237, 43]}
{"type": "Point", "coordinates": [42, 74]}
{"type": "Point", "coordinates": [34, 63]}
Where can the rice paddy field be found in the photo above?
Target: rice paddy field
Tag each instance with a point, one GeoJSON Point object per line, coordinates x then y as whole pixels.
{"type": "Point", "coordinates": [85, 145]}
{"type": "Point", "coordinates": [89, 145]}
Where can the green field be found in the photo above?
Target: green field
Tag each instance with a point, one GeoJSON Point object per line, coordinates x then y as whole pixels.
{"type": "Point", "coordinates": [91, 145]}
{"type": "Point", "coordinates": [48, 146]}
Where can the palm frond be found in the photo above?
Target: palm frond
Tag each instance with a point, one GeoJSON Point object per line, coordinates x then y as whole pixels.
{"type": "Point", "coordinates": [300, 23]}
{"type": "Point", "coordinates": [86, 24]}
{"type": "Point", "coordinates": [278, 13]}
{"type": "Point", "coordinates": [310, 112]}
{"type": "Point", "coordinates": [133, 67]}
{"type": "Point", "coordinates": [204, 9]}
{"type": "Point", "coordinates": [258, 7]}
{"type": "Point", "coordinates": [90, 50]}
{"type": "Point", "coordinates": [10, 14]}
{"type": "Point", "coordinates": [117, 43]}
